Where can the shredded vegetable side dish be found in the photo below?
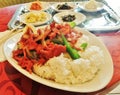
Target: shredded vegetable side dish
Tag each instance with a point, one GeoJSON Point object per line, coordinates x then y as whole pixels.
{"type": "Point", "coordinates": [35, 17]}
{"type": "Point", "coordinates": [32, 18]}
{"type": "Point", "coordinates": [59, 53]}
{"type": "Point", "coordinates": [64, 7]}
{"type": "Point", "coordinates": [36, 6]}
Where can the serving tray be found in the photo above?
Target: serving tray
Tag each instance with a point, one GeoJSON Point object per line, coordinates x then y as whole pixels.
{"type": "Point", "coordinates": [105, 20]}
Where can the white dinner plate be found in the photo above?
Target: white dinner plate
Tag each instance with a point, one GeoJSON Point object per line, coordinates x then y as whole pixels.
{"type": "Point", "coordinates": [71, 4]}
{"type": "Point", "coordinates": [100, 6]}
{"type": "Point", "coordinates": [101, 79]}
{"type": "Point", "coordinates": [23, 17]}
{"type": "Point", "coordinates": [44, 6]}
{"type": "Point", "coordinates": [79, 17]}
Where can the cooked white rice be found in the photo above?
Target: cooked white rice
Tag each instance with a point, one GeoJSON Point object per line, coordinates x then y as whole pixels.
{"type": "Point", "coordinates": [67, 71]}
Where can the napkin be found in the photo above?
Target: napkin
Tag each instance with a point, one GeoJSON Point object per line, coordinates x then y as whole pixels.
{"type": "Point", "coordinates": [2, 34]}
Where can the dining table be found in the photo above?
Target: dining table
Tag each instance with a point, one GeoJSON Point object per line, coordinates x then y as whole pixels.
{"type": "Point", "coordinates": [12, 82]}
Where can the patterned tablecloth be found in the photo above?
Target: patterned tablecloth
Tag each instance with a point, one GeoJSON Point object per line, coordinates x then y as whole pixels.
{"type": "Point", "coordinates": [13, 82]}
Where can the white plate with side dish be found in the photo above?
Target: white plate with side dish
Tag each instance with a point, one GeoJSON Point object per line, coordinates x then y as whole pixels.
{"type": "Point", "coordinates": [101, 79]}
{"type": "Point", "coordinates": [91, 6]}
{"type": "Point", "coordinates": [66, 17]}
{"type": "Point", "coordinates": [63, 6]}
{"type": "Point", "coordinates": [37, 6]}
{"type": "Point", "coordinates": [35, 17]}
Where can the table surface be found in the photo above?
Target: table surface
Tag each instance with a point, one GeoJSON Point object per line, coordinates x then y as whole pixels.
{"type": "Point", "coordinates": [14, 83]}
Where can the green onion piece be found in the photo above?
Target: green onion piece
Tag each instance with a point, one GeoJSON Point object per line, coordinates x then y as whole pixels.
{"type": "Point", "coordinates": [72, 24]}
{"type": "Point", "coordinates": [84, 46]}
{"type": "Point", "coordinates": [72, 52]}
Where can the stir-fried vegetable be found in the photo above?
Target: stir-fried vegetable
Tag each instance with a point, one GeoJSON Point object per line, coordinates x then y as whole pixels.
{"type": "Point", "coordinates": [83, 46]}
{"type": "Point", "coordinates": [38, 46]}
{"type": "Point", "coordinates": [73, 53]}
{"type": "Point", "coordinates": [72, 24]}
